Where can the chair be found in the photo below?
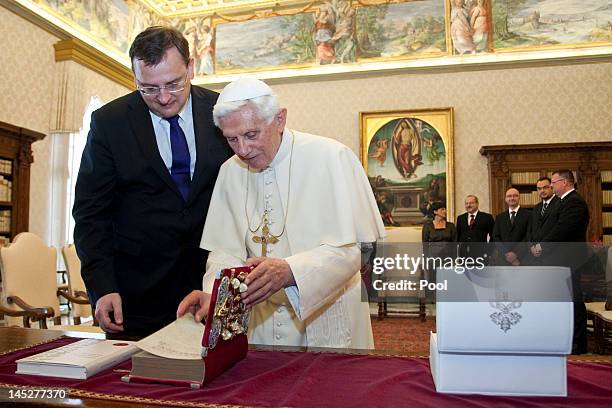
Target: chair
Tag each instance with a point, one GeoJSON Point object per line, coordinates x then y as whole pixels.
{"type": "Point", "coordinates": [600, 314]}
{"type": "Point", "coordinates": [76, 286]}
{"type": "Point", "coordinates": [412, 237]}
{"type": "Point", "coordinates": [29, 284]}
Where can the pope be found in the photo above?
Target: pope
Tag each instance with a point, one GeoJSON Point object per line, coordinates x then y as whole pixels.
{"type": "Point", "coordinates": [300, 209]}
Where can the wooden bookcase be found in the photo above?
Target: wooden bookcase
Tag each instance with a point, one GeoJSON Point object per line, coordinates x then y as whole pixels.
{"type": "Point", "coordinates": [521, 165]}
{"type": "Point", "coordinates": [15, 160]}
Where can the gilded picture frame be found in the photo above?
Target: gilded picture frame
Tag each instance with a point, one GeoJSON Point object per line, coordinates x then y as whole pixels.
{"type": "Point", "coordinates": [408, 158]}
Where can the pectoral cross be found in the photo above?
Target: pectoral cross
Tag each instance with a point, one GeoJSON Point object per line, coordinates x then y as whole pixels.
{"type": "Point", "coordinates": [265, 238]}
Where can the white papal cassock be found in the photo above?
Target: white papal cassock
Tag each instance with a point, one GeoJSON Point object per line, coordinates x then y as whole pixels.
{"type": "Point", "coordinates": [331, 210]}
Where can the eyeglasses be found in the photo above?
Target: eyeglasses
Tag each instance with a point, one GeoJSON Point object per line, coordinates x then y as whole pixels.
{"type": "Point", "coordinates": [173, 87]}
{"type": "Point", "coordinates": [556, 181]}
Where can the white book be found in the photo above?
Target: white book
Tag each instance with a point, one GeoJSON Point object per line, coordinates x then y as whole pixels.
{"type": "Point", "coordinates": [79, 360]}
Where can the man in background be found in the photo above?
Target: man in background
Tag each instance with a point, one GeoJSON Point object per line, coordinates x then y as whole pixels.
{"type": "Point", "coordinates": [543, 217]}
{"type": "Point", "coordinates": [562, 245]}
{"type": "Point", "coordinates": [474, 228]}
{"type": "Point", "coordinates": [510, 230]}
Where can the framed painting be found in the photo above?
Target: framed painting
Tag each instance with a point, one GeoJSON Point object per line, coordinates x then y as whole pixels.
{"type": "Point", "coordinates": [527, 25]}
{"type": "Point", "coordinates": [408, 158]}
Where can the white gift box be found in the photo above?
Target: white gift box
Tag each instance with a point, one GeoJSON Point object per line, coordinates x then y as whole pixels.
{"type": "Point", "coordinates": [506, 332]}
{"type": "Point", "coordinates": [505, 327]}
{"type": "Point", "coordinates": [497, 374]}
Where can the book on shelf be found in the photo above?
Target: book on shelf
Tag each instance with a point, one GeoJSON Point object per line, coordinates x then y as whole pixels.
{"type": "Point", "coordinates": [78, 360]}
{"type": "Point", "coordinates": [6, 189]}
{"type": "Point", "coordinates": [531, 198]}
{"type": "Point", "coordinates": [188, 353]}
{"type": "Point", "coordinates": [607, 219]}
{"type": "Point", "coordinates": [6, 166]}
{"type": "Point", "coordinates": [5, 221]}
{"type": "Point", "coordinates": [606, 197]}
{"type": "Point", "coordinates": [526, 177]}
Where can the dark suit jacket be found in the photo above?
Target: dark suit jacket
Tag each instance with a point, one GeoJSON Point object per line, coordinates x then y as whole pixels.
{"type": "Point", "coordinates": [542, 224]}
{"type": "Point", "coordinates": [483, 228]}
{"type": "Point", "coordinates": [572, 220]}
{"type": "Point", "coordinates": [134, 233]}
{"type": "Point", "coordinates": [563, 244]}
{"type": "Point", "coordinates": [512, 234]}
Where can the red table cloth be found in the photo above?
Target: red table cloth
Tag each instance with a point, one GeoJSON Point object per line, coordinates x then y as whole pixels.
{"type": "Point", "coordinates": [294, 379]}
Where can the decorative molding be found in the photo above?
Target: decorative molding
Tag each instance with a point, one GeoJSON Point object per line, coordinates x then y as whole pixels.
{"type": "Point", "coordinates": [75, 50]}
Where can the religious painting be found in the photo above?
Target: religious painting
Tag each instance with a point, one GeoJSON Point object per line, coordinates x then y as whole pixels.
{"type": "Point", "coordinates": [401, 30]}
{"type": "Point", "coordinates": [265, 43]}
{"type": "Point", "coordinates": [470, 26]}
{"type": "Point", "coordinates": [528, 24]}
{"type": "Point", "coordinates": [408, 158]}
{"type": "Point", "coordinates": [342, 36]}
{"type": "Point", "coordinates": [107, 22]}
{"type": "Point", "coordinates": [334, 32]}
{"type": "Point", "coordinates": [142, 17]}
{"type": "Point", "coordinates": [201, 38]}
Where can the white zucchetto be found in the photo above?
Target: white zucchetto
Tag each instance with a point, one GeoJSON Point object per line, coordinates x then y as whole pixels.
{"type": "Point", "coordinates": [243, 89]}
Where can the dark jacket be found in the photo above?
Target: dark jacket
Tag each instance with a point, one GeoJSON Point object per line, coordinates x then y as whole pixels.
{"type": "Point", "coordinates": [134, 233]}
{"type": "Point", "coordinates": [509, 237]}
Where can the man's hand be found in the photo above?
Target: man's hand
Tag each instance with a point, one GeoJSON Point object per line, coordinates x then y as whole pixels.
{"type": "Point", "coordinates": [108, 308]}
{"type": "Point", "coordinates": [196, 303]}
{"type": "Point", "coordinates": [269, 276]}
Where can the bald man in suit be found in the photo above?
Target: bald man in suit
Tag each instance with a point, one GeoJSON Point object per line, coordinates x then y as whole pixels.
{"type": "Point", "coordinates": [510, 230]}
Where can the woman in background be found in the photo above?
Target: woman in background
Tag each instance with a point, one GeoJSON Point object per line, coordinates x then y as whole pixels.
{"type": "Point", "coordinates": [438, 236]}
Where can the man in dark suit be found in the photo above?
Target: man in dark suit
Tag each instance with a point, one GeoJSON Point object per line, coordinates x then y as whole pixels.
{"type": "Point", "coordinates": [474, 227]}
{"type": "Point", "coordinates": [569, 230]}
{"type": "Point", "coordinates": [543, 217]}
{"type": "Point", "coordinates": [144, 187]}
{"type": "Point", "coordinates": [511, 228]}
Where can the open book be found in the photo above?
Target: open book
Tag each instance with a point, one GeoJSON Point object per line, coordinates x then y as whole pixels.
{"type": "Point", "coordinates": [79, 360]}
{"type": "Point", "coordinates": [188, 353]}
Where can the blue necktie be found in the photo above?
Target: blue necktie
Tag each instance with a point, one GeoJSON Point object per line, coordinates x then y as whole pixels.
{"type": "Point", "coordinates": [181, 161]}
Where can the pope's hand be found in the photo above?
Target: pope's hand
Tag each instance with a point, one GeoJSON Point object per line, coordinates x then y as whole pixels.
{"type": "Point", "coordinates": [269, 276]}
{"type": "Point", "coordinates": [109, 313]}
{"type": "Point", "coordinates": [196, 303]}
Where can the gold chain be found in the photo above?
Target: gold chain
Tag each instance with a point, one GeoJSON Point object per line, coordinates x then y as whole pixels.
{"type": "Point", "coordinates": [265, 214]}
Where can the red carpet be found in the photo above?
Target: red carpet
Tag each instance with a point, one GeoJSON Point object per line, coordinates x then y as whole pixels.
{"type": "Point", "coordinates": [405, 334]}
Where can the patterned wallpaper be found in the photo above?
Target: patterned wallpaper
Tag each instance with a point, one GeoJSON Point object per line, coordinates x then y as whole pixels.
{"type": "Point", "coordinates": [543, 104]}
{"type": "Point", "coordinates": [28, 71]}
{"type": "Point", "coordinates": [506, 106]}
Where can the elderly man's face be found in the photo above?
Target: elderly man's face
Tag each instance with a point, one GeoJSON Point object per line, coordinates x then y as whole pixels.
{"type": "Point", "coordinates": [253, 140]}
